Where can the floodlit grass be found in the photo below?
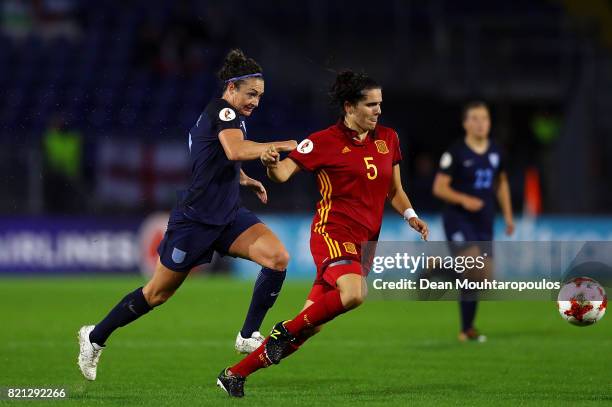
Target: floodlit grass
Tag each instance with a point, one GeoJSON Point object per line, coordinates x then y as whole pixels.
{"type": "Point", "coordinates": [384, 353]}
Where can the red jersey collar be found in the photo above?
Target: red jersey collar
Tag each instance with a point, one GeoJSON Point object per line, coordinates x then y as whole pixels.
{"type": "Point", "coordinates": [352, 135]}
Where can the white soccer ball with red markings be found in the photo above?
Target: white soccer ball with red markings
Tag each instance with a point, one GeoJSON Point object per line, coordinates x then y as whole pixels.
{"type": "Point", "coordinates": [582, 301]}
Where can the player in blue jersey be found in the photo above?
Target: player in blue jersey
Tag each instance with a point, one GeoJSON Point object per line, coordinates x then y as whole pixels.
{"type": "Point", "coordinates": [209, 217]}
{"type": "Point", "coordinates": [471, 178]}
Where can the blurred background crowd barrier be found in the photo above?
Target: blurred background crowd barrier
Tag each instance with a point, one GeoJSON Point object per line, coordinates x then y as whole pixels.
{"type": "Point", "coordinates": [110, 245]}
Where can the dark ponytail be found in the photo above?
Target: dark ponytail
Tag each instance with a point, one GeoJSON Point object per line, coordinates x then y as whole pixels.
{"type": "Point", "coordinates": [235, 65]}
{"type": "Point", "coordinates": [350, 87]}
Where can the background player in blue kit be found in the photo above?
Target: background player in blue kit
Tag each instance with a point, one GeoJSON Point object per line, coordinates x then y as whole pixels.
{"type": "Point", "coordinates": [209, 217]}
{"type": "Point", "coordinates": [470, 179]}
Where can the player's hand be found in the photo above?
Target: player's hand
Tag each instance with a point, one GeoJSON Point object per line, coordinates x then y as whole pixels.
{"type": "Point", "coordinates": [420, 226]}
{"type": "Point", "coordinates": [287, 145]}
{"type": "Point", "coordinates": [509, 227]}
{"type": "Point", "coordinates": [256, 187]}
{"type": "Point", "coordinates": [471, 203]}
{"type": "Point", "coordinates": [270, 157]}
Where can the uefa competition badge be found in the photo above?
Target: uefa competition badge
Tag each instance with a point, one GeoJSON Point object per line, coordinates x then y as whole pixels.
{"type": "Point", "coordinates": [305, 146]}
{"type": "Point", "coordinates": [227, 115]}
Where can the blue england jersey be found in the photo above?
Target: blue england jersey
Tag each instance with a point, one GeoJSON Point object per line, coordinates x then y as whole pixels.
{"type": "Point", "coordinates": [473, 174]}
{"type": "Point", "coordinates": [213, 196]}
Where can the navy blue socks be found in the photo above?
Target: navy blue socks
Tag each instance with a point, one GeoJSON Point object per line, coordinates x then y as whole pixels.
{"type": "Point", "coordinates": [468, 313]}
{"type": "Point", "coordinates": [133, 306]}
{"type": "Point", "coordinates": [266, 291]}
{"type": "Point", "coordinates": [130, 308]}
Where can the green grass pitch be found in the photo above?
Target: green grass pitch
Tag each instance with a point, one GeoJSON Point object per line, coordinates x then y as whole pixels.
{"type": "Point", "coordinates": [384, 353]}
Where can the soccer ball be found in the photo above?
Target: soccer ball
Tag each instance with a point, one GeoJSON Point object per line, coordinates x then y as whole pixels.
{"type": "Point", "coordinates": [582, 301]}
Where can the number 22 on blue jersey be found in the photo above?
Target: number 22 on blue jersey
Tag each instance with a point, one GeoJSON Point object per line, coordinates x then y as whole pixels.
{"type": "Point", "coordinates": [484, 178]}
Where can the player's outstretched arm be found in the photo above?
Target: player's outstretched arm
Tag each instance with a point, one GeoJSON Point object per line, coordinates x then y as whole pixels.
{"type": "Point", "coordinates": [254, 185]}
{"type": "Point", "coordinates": [238, 149]}
{"type": "Point", "coordinates": [442, 189]}
{"type": "Point", "coordinates": [401, 203]}
{"type": "Point", "coordinates": [505, 202]}
{"type": "Point", "coordinates": [278, 171]}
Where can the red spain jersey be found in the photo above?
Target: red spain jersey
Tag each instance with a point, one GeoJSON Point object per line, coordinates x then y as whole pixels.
{"type": "Point", "coordinates": [353, 178]}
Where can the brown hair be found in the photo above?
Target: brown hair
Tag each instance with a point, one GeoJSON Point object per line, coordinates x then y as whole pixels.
{"type": "Point", "coordinates": [474, 104]}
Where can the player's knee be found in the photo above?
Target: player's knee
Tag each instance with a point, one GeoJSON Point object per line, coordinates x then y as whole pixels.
{"type": "Point", "coordinates": [279, 259]}
{"type": "Point", "coordinates": [352, 299]}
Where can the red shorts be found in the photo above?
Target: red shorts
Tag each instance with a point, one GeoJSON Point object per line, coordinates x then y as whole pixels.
{"type": "Point", "coordinates": [327, 249]}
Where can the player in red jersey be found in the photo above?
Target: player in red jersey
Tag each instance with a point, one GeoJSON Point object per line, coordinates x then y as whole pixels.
{"type": "Point", "coordinates": [356, 162]}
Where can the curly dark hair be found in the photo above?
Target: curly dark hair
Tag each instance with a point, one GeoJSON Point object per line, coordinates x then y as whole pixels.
{"type": "Point", "coordinates": [237, 64]}
{"type": "Point", "coordinates": [349, 87]}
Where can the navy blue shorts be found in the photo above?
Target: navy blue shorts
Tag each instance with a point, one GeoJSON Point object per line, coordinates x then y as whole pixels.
{"type": "Point", "coordinates": [459, 230]}
{"type": "Point", "coordinates": [187, 244]}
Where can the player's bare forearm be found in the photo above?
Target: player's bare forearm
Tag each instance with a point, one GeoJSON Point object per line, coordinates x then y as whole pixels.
{"type": "Point", "coordinates": [243, 177]}
{"type": "Point", "coordinates": [248, 150]}
{"type": "Point", "coordinates": [238, 149]}
{"type": "Point", "coordinates": [283, 170]}
{"type": "Point", "coordinates": [400, 201]}
{"type": "Point", "coordinates": [396, 195]}
{"type": "Point", "coordinates": [504, 198]}
{"type": "Point", "coordinates": [448, 194]}
{"type": "Point", "coordinates": [443, 190]}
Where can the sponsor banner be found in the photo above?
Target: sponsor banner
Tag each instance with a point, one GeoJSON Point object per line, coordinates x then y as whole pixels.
{"type": "Point", "coordinates": [80, 244]}
{"type": "Point", "coordinates": [68, 245]}
{"type": "Point", "coordinates": [129, 245]}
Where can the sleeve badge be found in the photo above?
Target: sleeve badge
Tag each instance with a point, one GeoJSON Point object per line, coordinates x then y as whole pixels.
{"type": "Point", "coordinates": [446, 160]}
{"type": "Point", "coordinates": [227, 115]}
{"type": "Point", "coordinates": [305, 146]}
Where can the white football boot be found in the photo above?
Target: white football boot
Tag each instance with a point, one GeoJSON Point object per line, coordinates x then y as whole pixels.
{"type": "Point", "coordinates": [248, 345]}
{"type": "Point", "coordinates": [89, 354]}
{"type": "Point", "coordinates": [471, 335]}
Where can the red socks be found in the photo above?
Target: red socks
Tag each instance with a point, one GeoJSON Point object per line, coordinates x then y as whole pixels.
{"type": "Point", "coordinates": [326, 308]}
{"type": "Point", "coordinates": [252, 362]}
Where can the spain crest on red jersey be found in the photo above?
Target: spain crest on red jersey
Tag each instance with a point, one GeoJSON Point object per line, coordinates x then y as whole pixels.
{"type": "Point", "coordinates": [350, 247]}
{"type": "Point", "coordinates": [381, 146]}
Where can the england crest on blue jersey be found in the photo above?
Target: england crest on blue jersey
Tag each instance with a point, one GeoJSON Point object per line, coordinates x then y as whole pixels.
{"type": "Point", "coordinates": [494, 159]}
